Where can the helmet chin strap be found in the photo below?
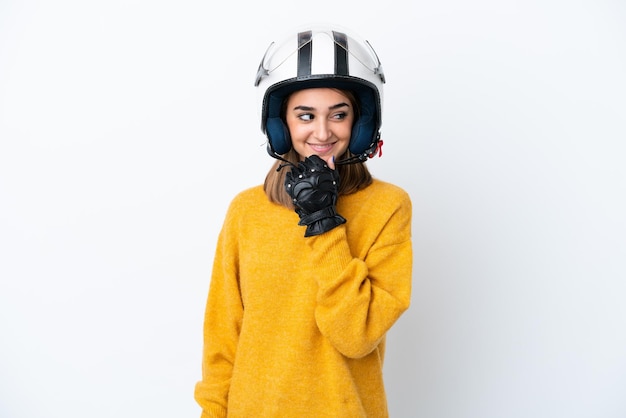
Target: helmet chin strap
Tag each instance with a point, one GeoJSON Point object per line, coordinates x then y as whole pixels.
{"type": "Point", "coordinates": [276, 155]}
{"type": "Point", "coordinates": [352, 160]}
{"type": "Point", "coordinates": [377, 148]}
{"type": "Point", "coordinates": [360, 158]}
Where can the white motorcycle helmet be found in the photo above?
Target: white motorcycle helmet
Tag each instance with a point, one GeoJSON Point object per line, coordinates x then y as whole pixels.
{"type": "Point", "coordinates": [322, 56]}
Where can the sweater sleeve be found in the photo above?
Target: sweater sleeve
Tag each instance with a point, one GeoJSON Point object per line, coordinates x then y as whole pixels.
{"type": "Point", "coordinates": [222, 323]}
{"type": "Point", "coordinates": [361, 296]}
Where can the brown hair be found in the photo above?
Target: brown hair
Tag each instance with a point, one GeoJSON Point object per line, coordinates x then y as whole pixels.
{"type": "Point", "coordinates": [353, 177]}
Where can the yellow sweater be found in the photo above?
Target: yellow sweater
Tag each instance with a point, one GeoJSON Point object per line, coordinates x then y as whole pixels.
{"type": "Point", "coordinates": [295, 326]}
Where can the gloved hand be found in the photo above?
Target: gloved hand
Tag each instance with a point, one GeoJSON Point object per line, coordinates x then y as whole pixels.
{"type": "Point", "coordinates": [313, 187]}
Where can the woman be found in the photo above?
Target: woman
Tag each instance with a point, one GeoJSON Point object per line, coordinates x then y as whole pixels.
{"type": "Point", "coordinates": [312, 268]}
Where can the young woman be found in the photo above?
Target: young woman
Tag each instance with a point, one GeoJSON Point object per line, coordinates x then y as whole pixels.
{"type": "Point", "coordinates": [313, 267]}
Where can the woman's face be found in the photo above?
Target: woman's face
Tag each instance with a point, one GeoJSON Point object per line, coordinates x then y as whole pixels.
{"type": "Point", "coordinates": [320, 122]}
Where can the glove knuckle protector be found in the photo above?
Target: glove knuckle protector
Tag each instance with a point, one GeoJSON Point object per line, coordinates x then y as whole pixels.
{"type": "Point", "coordinates": [313, 188]}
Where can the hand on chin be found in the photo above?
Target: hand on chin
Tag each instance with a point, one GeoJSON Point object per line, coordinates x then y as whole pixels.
{"type": "Point", "coordinates": [329, 158]}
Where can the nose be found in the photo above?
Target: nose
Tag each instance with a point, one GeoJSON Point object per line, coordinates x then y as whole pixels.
{"type": "Point", "coordinates": [322, 130]}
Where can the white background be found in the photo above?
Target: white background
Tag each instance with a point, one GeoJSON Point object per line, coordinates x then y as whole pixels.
{"type": "Point", "coordinates": [127, 126]}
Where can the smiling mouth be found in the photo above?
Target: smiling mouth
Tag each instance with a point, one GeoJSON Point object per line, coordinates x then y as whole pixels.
{"type": "Point", "coordinates": [321, 147]}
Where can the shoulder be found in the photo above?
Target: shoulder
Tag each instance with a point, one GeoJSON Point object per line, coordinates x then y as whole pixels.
{"type": "Point", "coordinates": [385, 194]}
{"type": "Point", "coordinates": [252, 194]}
{"type": "Point", "coordinates": [246, 200]}
{"type": "Point", "coordinates": [380, 186]}
{"type": "Point", "coordinates": [378, 201]}
{"type": "Point", "coordinates": [381, 212]}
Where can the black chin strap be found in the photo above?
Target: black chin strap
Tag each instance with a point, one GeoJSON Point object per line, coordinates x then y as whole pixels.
{"type": "Point", "coordinates": [371, 152]}
{"type": "Point", "coordinates": [274, 154]}
{"type": "Point", "coordinates": [360, 158]}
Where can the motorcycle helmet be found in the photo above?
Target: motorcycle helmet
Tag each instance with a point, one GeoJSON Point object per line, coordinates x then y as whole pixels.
{"type": "Point", "coordinates": [321, 56]}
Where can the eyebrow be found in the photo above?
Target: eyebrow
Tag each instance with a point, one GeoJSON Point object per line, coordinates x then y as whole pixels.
{"type": "Point", "coordinates": [333, 107]}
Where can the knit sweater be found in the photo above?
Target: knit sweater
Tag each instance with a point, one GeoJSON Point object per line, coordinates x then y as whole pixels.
{"type": "Point", "coordinates": [295, 326]}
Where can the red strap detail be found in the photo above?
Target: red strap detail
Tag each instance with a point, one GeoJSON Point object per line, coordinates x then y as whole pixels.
{"type": "Point", "coordinates": [379, 149]}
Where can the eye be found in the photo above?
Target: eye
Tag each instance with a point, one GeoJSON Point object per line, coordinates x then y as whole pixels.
{"type": "Point", "coordinates": [340, 116]}
{"type": "Point", "coordinates": [306, 117]}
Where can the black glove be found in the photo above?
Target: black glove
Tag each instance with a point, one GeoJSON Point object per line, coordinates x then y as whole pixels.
{"type": "Point", "coordinates": [313, 187]}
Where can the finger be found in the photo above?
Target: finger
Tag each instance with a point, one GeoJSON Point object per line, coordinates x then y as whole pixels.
{"type": "Point", "coordinates": [331, 162]}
